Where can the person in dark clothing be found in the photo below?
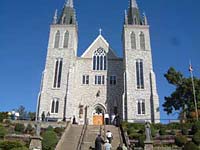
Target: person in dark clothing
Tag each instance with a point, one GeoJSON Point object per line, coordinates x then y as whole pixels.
{"type": "Point", "coordinates": [117, 120]}
{"type": "Point", "coordinates": [119, 147]}
{"type": "Point", "coordinates": [98, 142]}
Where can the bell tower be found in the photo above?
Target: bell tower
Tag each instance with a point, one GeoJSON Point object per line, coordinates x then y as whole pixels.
{"type": "Point", "coordinates": [141, 102]}
{"type": "Point", "coordinates": [61, 55]}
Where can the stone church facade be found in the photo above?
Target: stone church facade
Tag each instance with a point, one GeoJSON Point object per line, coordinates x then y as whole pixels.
{"type": "Point", "coordinates": [98, 82]}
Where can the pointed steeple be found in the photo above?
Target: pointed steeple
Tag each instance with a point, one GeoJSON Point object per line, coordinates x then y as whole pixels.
{"type": "Point", "coordinates": [125, 17]}
{"type": "Point", "coordinates": [133, 4]}
{"type": "Point", "coordinates": [145, 19]}
{"type": "Point", "coordinates": [68, 15]}
{"type": "Point", "coordinates": [134, 17]}
{"type": "Point", "coordinates": [69, 3]}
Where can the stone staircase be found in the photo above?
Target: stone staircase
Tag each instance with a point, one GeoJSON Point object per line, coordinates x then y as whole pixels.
{"type": "Point", "coordinates": [70, 138]}
{"type": "Point", "coordinates": [116, 135]}
{"type": "Point", "coordinates": [91, 134]}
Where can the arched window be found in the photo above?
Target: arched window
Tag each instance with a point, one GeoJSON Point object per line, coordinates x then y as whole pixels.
{"type": "Point", "coordinates": [142, 41]}
{"type": "Point", "coordinates": [66, 39]}
{"type": "Point", "coordinates": [52, 106]}
{"type": "Point", "coordinates": [57, 106]}
{"type": "Point", "coordinates": [133, 41]}
{"type": "Point", "coordinates": [57, 39]}
{"type": "Point", "coordinates": [139, 74]}
{"type": "Point", "coordinates": [58, 73]}
{"type": "Point", "coordinates": [141, 107]}
{"type": "Point", "coordinates": [99, 59]}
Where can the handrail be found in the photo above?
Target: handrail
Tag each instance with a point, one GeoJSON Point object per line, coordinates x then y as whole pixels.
{"type": "Point", "coordinates": [125, 138]}
{"type": "Point", "coordinates": [80, 142]}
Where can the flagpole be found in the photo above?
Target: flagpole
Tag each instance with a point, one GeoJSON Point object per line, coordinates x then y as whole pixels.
{"type": "Point", "coordinates": [194, 93]}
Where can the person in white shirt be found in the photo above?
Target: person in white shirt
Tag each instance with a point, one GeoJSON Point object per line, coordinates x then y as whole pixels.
{"type": "Point", "coordinates": [106, 116]}
{"type": "Point", "coordinates": [109, 136]}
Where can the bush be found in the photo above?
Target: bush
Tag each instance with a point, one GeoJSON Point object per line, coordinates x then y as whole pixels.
{"type": "Point", "coordinates": [180, 140]}
{"type": "Point", "coordinates": [141, 141]}
{"type": "Point", "coordinates": [196, 138]}
{"type": "Point", "coordinates": [153, 131]}
{"type": "Point", "coordinates": [29, 129]}
{"type": "Point", "coordinates": [173, 132]}
{"type": "Point", "coordinates": [9, 145]}
{"type": "Point", "coordinates": [49, 128]}
{"type": "Point", "coordinates": [3, 131]}
{"type": "Point", "coordinates": [134, 135]}
{"type": "Point", "coordinates": [195, 127]}
{"type": "Point", "coordinates": [173, 126]}
{"type": "Point", "coordinates": [49, 141]}
{"type": "Point", "coordinates": [184, 131]}
{"type": "Point", "coordinates": [19, 127]}
{"type": "Point", "coordinates": [59, 131]}
{"type": "Point", "coordinates": [20, 148]}
{"type": "Point", "coordinates": [3, 115]}
{"type": "Point", "coordinates": [190, 146]}
{"type": "Point", "coordinates": [162, 131]}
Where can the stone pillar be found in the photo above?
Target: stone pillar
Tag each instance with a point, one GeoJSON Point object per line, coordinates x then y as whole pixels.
{"type": "Point", "coordinates": [148, 145]}
{"type": "Point", "coordinates": [36, 143]}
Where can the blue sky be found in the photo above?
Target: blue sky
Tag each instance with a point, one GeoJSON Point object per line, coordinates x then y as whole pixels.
{"type": "Point", "coordinates": [24, 26]}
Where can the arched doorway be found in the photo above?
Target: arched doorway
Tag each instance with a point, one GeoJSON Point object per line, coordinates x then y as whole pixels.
{"type": "Point", "coordinates": [98, 115]}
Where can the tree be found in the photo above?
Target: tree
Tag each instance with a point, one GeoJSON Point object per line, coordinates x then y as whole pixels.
{"type": "Point", "coordinates": [22, 112]}
{"type": "Point", "coordinates": [181, 98]}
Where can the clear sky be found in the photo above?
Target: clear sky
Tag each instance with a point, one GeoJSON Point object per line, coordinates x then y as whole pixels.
{"type": "Point", "coordinates": [24, 29]}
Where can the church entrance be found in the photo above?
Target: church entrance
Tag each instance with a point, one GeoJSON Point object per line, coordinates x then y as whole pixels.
{"type": "Point", "coordinates": [98, 115]}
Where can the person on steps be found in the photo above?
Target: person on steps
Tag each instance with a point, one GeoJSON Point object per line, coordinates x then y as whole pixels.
{"type": "Point", "coordinates": [107, 145]}
{"type": "Point", "coordinates": [109, 136]}
{"type": "Point", "coordinates": [98, 142]}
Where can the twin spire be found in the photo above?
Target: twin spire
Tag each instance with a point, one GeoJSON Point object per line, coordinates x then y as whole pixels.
{"type": "Point", "coordinates": [133, 4]}
{"type": "Point", "coordinates": [69, 3]}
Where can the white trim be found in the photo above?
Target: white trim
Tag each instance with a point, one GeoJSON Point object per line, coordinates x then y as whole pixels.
{"type": "Point", "coordinates": [93, 43]}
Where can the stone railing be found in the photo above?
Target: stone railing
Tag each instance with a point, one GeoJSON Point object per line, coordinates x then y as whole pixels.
{"type": "Point", "coordinates": [58, 146]}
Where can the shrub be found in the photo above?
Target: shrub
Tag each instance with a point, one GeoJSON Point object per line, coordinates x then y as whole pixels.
{"type": "Point", "coordinates": [173, 132]}
{"type": "Point", "coordinates": [162, 131]}
{"type": "Point", "coordinates": [49, 128]}
{"type": "Point", "coordinates": [3, 115]}
{"type": "Point", "coordinates": [184, 131]}
{"type": "Point", "coordinates": [195, 127]}
{"type": "Point", "coordinates": [3, 131]}
{"type": "Point", "coordinates": [29, 129]}
{"type": "Point", "coordinates": [196, 138]}
{"type": "Point", "coordinates": [153, 131]}
{"type": "Point", "coordinates": [141, 141]}
{"type": "Point", "coordinates": [59, 131]}
{"type": "Point", "coordinates": [190, 146]}
{"type": "Point", "coordinates": [9, 145]}
{"type": "Point", "coordinates": [134, 135]}
{"type": "Point", "coordinates": [49, 141]}
{"type": "Point", "coordinates": [19, 127]}
{"type": "Point", "coordinates": [173, 126]}
{"type": "Point", "coordinates": [180, 140]}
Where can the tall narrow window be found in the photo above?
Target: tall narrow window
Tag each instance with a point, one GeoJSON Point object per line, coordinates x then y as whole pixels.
{"type": "Point", "coordinates": [57, 40]}
{"type": "Point", "coordinates": [113, 80]}
{"type": "Point", "coordinates": [133, 41]}
{"type": "Point", "coordinates": [141, 107]}
{"type": "Point", "coordinates": [55, 105]}
{"type": "Point", "coordinates": [139, 74]}
{"type": "Point", "coordinates": [58, 73]}
{"type": "Point", "coordinates": [66, 40]}
{"type": "Point", "coordinates": [99, 59]}
{"type": "Point", "coordinates": [99, 79]}
{"type": "Point", "coordinates": [52, 106]}
{"type": "Point", "coordinates": [85, 79]}
{"type": "Point", "coordinates": [142, 41]}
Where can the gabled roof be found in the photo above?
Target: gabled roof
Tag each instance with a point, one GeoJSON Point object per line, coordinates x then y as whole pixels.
{"type": "Point", "coordinates": [100, 37]}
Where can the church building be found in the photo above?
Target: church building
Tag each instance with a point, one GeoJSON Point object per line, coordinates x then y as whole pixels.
{"type": "Point", "coordinates": [98, 82]}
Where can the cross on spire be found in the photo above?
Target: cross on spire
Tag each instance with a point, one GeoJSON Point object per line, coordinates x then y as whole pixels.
{"type": "Point", "coordinates": [100, 31]}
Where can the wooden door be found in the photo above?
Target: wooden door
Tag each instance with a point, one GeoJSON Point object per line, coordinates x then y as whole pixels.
{"type": "Point", "coordinates": [98, 120]}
